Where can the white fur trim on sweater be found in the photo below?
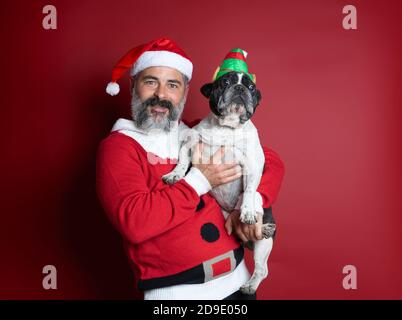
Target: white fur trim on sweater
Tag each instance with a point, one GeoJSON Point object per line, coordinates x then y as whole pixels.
{"type": "Point", "coordinates": [158, 142]}
{"type": "Point", "coordinates": [198, 181]}
{"type": "Point", "coordinates": [163, 59]}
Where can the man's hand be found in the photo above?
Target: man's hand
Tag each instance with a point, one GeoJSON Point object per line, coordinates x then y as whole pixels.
{"type": "Point", "coordinates": [244, 231]}
{"type": "Point", "coordinates": [213, 169]}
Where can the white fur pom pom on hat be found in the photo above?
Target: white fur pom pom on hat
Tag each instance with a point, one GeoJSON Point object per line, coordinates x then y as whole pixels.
{"type": "Point", "coordinates": [113, 88]}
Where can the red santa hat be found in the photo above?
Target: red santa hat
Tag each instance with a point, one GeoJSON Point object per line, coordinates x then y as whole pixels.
{"type": "Point", "coordinates": [161, 52]}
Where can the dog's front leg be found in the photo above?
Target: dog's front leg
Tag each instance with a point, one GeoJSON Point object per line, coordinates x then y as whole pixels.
{"type": "Point", "coordinates": [247, 208]}
{"type": "Point", "coordinates": [184, 160]}
{"type": "Point", "coordinates": [251, 179]}
{"type": "Point", "coordinates": [181, 168]}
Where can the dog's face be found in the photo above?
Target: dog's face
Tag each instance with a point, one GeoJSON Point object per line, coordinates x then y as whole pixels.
{"type": "Point", "coordinates": [233, 98]}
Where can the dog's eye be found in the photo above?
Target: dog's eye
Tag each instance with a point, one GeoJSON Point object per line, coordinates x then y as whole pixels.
{"type": "Point", "coordinates": [227, 82]}
{"type": "Point", "coordinates": [251, 87]}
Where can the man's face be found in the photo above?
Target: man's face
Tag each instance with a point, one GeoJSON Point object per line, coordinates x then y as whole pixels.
{"type": "Point", "coordinates": [158, 97]}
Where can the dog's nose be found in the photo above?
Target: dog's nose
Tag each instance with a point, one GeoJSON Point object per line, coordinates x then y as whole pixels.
{"type": "Point", "coordinates": [239, 88]}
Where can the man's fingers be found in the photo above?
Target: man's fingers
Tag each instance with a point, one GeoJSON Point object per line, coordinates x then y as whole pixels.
{"type": "Point", "coordinates": [228, 226]}
{"type": "Point", "coordinates": [249, 232]}
{"type": "Point", "coordinates": [218, 155]}
{"type": "Point", "coordinates": [229, 166]}
{"type": "Point", "coordinates": [246, 232]}
{"type": "Point", "coordinates": [197, 153]}
{"type": "Point", "coordinates": [258, 232]}
{"type": "Point", "coordinates": [258, 227]}
{"type": "Point", "coordinates": [240, 234]}
{"type": "Point", "coordinates": [232, 171]}
{"type": "Point", "coordinates": [231, 178]}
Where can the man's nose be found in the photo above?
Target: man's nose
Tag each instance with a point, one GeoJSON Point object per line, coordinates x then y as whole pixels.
{"type": "Point", "coordinates": [160, 92]}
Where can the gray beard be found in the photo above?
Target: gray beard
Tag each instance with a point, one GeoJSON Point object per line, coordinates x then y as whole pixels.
{"type": "Point", "coordinates": [147, 123]}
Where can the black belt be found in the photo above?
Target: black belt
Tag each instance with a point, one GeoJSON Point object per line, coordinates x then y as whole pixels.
{"type": "Point", "coordinates": [206, 271]}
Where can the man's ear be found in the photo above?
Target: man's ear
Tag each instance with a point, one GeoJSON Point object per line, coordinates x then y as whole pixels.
{"type": "Point", "coordinates": [186, 90]}
{"type": "Point", "coordinates": [132, 82]}
{"type": "Point", "coordinates": [206, 90]}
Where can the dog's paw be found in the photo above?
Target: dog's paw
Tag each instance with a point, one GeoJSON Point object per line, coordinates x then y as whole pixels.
{"type": "Point", "coordinates": [247, 215]}
{"type": "Point", "coordinates": [171, 177]}
{"type": "Point", "coordinates": [268, 230]}
{"type": "Point", "coordinates": [248, 288]}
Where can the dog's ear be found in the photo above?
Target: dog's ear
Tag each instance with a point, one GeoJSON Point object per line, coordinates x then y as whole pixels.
{"type": "Point", "coordinates": [258, 97]}
{"type": "Point", "coordinates": [206, 90]}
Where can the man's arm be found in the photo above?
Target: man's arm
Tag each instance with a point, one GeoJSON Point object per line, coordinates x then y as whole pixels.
{"type": "Point", "coordinates": [272, 177]}
{"type": "Point", "coordinates": [136, 211]}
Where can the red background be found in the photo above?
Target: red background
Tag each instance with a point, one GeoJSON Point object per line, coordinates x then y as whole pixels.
{"type": "Point", "coordinates": [331, 108]}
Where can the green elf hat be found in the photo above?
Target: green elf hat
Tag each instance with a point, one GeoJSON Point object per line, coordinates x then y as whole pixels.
{"type": "Point", "coordinates": [235, 60]}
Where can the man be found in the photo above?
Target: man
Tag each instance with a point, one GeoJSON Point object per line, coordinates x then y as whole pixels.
{"type": "Point", "coordinates": [174, 236]}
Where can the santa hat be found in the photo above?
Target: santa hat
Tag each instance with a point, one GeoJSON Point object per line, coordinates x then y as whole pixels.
{"type": "Point", "coordinates": [161, 52]}
{"type": "Point", "coordinates": [235, 60]}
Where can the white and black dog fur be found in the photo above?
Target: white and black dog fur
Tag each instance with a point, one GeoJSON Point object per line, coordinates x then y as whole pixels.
{"type": "Point", "coordinates": [233, 99]}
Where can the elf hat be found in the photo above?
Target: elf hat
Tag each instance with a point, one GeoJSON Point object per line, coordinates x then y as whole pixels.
{"type": "Point", "coordinates": [235, 60]}
{"type": "Point", "coordinates": [161, 52]}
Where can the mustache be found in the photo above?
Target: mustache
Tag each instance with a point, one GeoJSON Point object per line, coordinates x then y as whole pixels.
{"type": "Point", "coordinates": [156, 101]}
{"type": "Point", "coordinates": [144, 121]}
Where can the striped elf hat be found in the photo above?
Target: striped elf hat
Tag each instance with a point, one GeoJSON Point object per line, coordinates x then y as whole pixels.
{"type": "Point", "coordinates": [235, 60]}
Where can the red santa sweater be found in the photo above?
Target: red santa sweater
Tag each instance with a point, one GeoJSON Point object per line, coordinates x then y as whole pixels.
{"type": "Point", "coordinates": [173, 234]}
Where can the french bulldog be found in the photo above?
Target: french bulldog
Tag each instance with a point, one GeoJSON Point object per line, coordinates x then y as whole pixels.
{"type": "Point", "coordinates": [233, 99]}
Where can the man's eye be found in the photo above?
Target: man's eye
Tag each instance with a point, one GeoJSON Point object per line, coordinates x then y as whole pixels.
{"type": "Point", "coordinates": [173, 86]}
{"type": "Point", "coordinates": [150, 82]}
